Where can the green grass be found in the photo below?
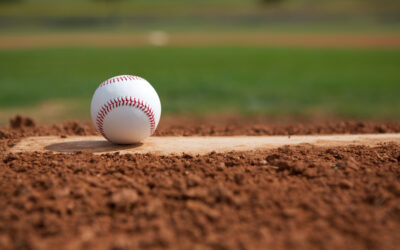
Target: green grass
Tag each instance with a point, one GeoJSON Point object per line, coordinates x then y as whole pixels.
{"type": "Point", "coordinates": [134, 8]}
{"type": "Point", "coordinates": [353, 83]}
{"type": "Point", "coordinates": [43, 16]}
{"type": "Point", "coordinates": [169, 8]}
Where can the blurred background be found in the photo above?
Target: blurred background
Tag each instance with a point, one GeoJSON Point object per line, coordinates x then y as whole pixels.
{"type": "Point", "coordinates": [275, 58]}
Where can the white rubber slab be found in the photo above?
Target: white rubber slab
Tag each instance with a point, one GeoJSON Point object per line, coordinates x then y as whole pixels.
{"type": "Point", "coordinates": [194, 145]}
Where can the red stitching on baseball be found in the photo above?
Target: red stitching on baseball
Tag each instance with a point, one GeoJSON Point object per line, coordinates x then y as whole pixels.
{"type": "Point", "coordinates": [120, 101]}
{"type": "Point", "coordinates": [123, 78]}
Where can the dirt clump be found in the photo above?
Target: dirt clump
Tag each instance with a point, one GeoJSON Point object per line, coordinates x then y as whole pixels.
{"type": "Point", "coordinates": [21, 126]}
{"type": "Point", "coordinates": [21, 122]}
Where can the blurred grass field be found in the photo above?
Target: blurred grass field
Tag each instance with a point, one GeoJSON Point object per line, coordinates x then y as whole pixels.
{"type": "Point", "coordinates": [270, 81]}
{"type": "Point", "coordinates": [54, 81]}
{"type": "Point", "coordinates": [30, 16]}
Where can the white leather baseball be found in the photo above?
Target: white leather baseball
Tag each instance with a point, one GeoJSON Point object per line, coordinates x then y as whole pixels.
{"type": "Point", "coordinates": [125, 109]}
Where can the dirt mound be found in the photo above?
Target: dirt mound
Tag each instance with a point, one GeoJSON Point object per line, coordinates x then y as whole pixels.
{"type": "Point", "coordinates": [289, 198]}
{"type": "Point", "coordinates": [301, 197]}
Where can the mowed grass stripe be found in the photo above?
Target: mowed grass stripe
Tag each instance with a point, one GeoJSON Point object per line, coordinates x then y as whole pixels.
{"type": "Point", "coordinates": [360, 83]}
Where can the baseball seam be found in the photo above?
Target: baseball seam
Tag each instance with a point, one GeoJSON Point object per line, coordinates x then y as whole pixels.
{"type": "Point", "coordinates": [119, 79]}
{"type": "Point", "coordinates": [124, 101]}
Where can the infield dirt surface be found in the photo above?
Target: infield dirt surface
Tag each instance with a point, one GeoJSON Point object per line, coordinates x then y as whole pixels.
{"type": "Point", "coordinates": [291, 197]}
{"type": "Point", "coordinates": [189, 39]}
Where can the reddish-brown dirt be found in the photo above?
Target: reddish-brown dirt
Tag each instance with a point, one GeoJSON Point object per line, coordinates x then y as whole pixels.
{"type": "Point", "coordinates": [300, 197]}
{"type": "Point", "coordinates": [209, 126]}
{"type": "Point", "coordinates": [308, 40]}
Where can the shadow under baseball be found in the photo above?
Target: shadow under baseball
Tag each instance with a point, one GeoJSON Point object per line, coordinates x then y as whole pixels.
{"type": "Point", "coordinates": [89, 146]}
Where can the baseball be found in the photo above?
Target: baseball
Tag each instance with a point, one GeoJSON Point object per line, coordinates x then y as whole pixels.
{"type": "Point", "coordinates": [125, 109]}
